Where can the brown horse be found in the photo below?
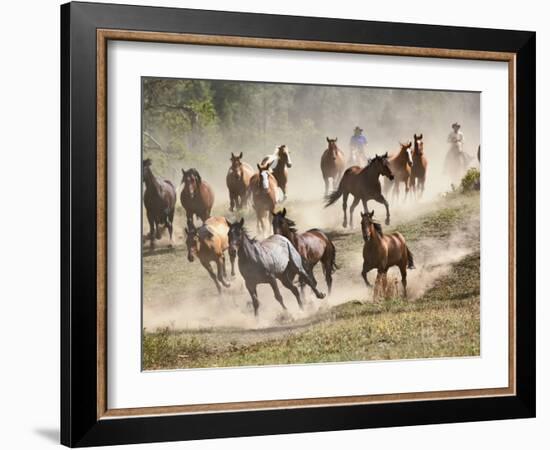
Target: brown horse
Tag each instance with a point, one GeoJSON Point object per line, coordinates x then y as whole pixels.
{"type": "Point", "coordinates": [313, 246]}
{"type": "Point", "coordinates": [237, 180]}
{"type": "Point", "coordinates": [419, 167]}
{"type": "Point", "coordinates": [197, 197]}
{"type": "Point", "coordinates": [332, 164]}
{"type": "Point", "coordinates": [400, 164]}
{"type": "Point", "coordinates": [381, 252]}
{"type": "Point", "coordinates": [279, 163]}
{"type": "Point", "coordinates": [364, 184]}
{"type": "Point", "coordinates": [263, 192]}
{"type": "Point", "coordinates": [159, 199]}
{"type": "Point", "coordinates": [208, 243]}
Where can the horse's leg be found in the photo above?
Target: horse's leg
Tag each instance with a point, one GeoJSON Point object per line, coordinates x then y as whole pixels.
{"type": "Point", "coordinates": [345, 208]}
{"type": "Point", "coordinates": [376, 292]}
{"type": "Point", "coordinates": [276, 291]}
{"type": "Point", "coordinates": [403, 269]}
{"type": "Point", "coordinates": [351, 209]}
{"type": "Point", "coordinates": [384, 283]}
{"type": "Point", "coordinates": [170, 224]}
{"type": "Point", "coordinates": [220, 263]}
{"type": "Point", "coordinates": [208, 268]}
{"type": "Point", "coordinates": [251, 287]}
{"type": "Point", "coordinates": [151, 229]}
{"type": "Point", "coordinates": [287, 282]}
{"type": "Point", "coordinates": [232, 261]}
{"type": "Point", "coordinates": [380, 199]}
{"type": "Point", "coordinates": [365, 208]}
{"type": "Point", "coordinates": [326, 185]}
{"type": "Point", "coordinates": [231, 201]}
{"type": "Point", "coordinates": [364, 273]}
{"type": "Point", "coordinates": [407, 187]}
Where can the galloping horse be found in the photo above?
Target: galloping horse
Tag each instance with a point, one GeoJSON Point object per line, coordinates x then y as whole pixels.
{"type": "Point", "coordinates": [381, 252]}
{"type": "Point", "coordinates": [237, 180]}
{"type": "Point", "coordinates": [279, 162]}
{"type": "Point", "coordinates": [275, 258]}
{"type": "Point", "coordinates": [159, 199]}
{"type": "Point", "coordinates": [197, 197]}
{"type": "Point", "coordinates": [263, 191]}
{"type": "Point", "coordinates": [400, 165]}
{"type": "Point", "coordinates": [364, 184]}
{"type": "Point", "coordinates": [313, 246]}
{"type": "Point", "coordinates": [209, 243]}
{"type": "Point", "coordinates": [420, 165]}
{"type": "Point", "coordinates": [332, 164]}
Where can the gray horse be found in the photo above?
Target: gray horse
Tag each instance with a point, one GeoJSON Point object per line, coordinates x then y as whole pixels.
{"type": "Point", "coordinates": [275, 258]}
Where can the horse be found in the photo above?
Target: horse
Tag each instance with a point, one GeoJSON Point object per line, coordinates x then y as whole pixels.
{"type": "Point", "coordinates": [400, 164]}
{"type": "Point", "coordinates": [419, 166]}
{"type": "Point", "coordinates": [208, 243]}
{"type": "Point", "coordinates": [364, 184]}
{"type": "Point", "coordinates": [332, 163]}
{"type": "Point", "coordinates": [313, 246]}
{"type": "Point", "coordinates": [263, 192]}
{"type": "Point", "coordinates": [272, 259]}
{"type": "Point", "coordinates": [279, 162]}
{"type": "Point", "coordinates": [159, 199]}
{"type": "Point", "coordinates": [237, 181]}
{"type": "Point", "coordinates": [381, 251]}
{"type": "Point", "coordinates": [197, 196]}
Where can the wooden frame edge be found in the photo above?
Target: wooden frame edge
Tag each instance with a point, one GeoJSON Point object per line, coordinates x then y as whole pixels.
{"type": "Point", "coordinates": [103, 35]}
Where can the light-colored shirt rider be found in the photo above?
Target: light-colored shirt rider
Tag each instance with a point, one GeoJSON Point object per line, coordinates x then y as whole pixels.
{"type": "Point", "coordinates": [456, 138]}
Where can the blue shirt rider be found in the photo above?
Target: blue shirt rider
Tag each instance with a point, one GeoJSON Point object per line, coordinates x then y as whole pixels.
{"type": "Point", "coordinates": [358, 144]}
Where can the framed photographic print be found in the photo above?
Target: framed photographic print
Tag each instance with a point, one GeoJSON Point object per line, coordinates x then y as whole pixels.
{"type": "Point", "coordinates": [276, 224]}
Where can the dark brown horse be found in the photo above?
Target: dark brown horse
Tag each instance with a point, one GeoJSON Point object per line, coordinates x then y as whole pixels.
{"type": "Point", "coordinates": [159, 199]}
{"type": "Point", "coordinates": [279, 162]}
{"type": "Point", "coordinates": [332, 164]}
{"type": "Point", "coordinates": [237, 180]}
{"type": "Point", "coordinates": [263, 192]}
{"type": "Point", "coordinates": [208, 243]}
{"type": "Point", "coordinates": [381, 251]}
{"type": "Point", "coordinates": [419, 167]}
{"type": "Point", "coordinates": [364, 184]}
{"type": "Point", "coordinates": [401, 165]}
{"type": "Point", "coordinates": [313, 246]}
{"type": "Point", "coordinates": [197, 197]}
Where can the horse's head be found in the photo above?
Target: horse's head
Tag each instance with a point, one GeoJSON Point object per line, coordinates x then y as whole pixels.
{"type": "Point", "coordinates": [237, 165]}
{"type": "Point", "coordinates": [367, 225]}
{"type": "Point", "coordinates": [235, 235]}
{"type": "Point", "coordinates": [406, 150]}
{"type": "Point", "coordinates": [281, 224]}
{"type": "Point", "coordinates": [332, 147]}
{"type": "Point", "coordinates": [146, 168]}
{"type": "Point", "coordinates": [284, 155]}
{"type": "Point", "coordinates": [382, 165]}
{"type": "Point", "coordinates": [419, 144]}
{"type": "Point", "coordinates": [192, 180]}
{"type": "Point", "coordinates": [263, 178]}
{"type": "Point", "coordinates": [192, 241]}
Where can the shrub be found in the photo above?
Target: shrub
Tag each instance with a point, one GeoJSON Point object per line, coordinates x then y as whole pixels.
{"type": "Point", "coordinates": [471, 181]}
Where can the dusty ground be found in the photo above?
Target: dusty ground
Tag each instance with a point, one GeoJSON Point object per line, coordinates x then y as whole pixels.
{"type": "Point", "coordinates": [186, 324]}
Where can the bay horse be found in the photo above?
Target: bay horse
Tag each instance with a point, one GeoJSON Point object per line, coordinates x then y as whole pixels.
{"type": "Point", "coordinates": [313, 246]}
{"type": "Point", "coordinates": [159, 199]}
{"type": "Point", "coordinates": [263, 192]}
{"type": "Point", "coordinates": [208, 243]}
{"type": "Point", "coordinates": [197, 196]}
{"type": "Point", "coordinates": [381, 251]}
{"type": "Point", "coordinates": [401, 165]}
{"type": "Point", "coordinates": [364, 184]}
{"type": "Point", "coordinates": [237, 181]}
{"type": "Point", "coordinates": [419, 166]}
{"type": "Point", "coordinates": [279, 162]}
{"type": "Point", "coordinates": [332, 164]}
{"type": "Point", "coordinates": [272, 259]}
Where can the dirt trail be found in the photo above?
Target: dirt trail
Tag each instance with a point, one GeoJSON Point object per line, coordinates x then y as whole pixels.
{"type": "Point", "coordinates": [172, 298]}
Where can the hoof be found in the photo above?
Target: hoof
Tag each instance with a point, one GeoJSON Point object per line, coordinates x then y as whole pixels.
{"type": "Point", "coordinates": [387, 221]}
{"type": "Point", "coordinates": [321, 295]}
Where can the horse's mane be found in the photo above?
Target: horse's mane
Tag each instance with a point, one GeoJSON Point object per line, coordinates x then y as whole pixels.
{"type": "Point", "coordinates": [378, 228]}
{"type": "Point", "coordinates": [291, 225]}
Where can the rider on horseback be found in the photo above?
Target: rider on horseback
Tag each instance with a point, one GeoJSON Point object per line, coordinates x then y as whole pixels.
{"type": "Point", "coordinates": [358, 145]}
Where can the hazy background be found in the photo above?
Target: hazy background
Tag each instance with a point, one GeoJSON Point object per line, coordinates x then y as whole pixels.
{"type": "Point", "coordinates": [198, 123]}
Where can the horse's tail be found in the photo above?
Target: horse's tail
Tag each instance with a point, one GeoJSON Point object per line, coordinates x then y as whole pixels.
{"type": "Point", "coordinates": [329, 259]}
{"type": "Point", "coordinates": [297, 262]}
{"type": "Point", "coordinates": [410, 260]}
{"type": "Point", "coordinates": [334, 195]}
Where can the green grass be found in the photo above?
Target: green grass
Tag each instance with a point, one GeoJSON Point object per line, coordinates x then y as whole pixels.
{"type": "Point", "coordinates": [443, 322]}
